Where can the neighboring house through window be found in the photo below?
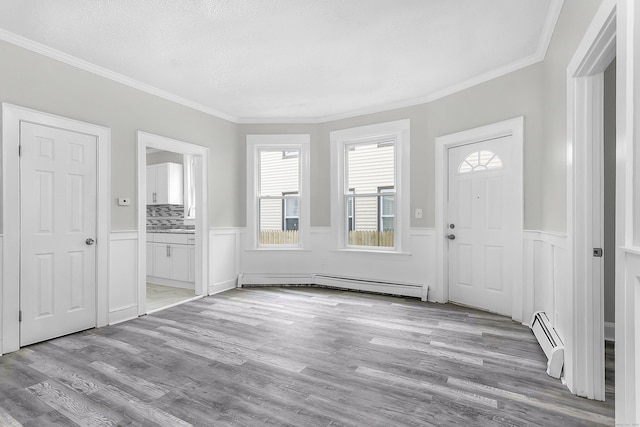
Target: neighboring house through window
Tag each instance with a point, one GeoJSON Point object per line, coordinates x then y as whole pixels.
{"type": "Point", "coordinates": [370, 175]}
{"type": "Point", "coordinates": [351, 214]}
{"type": "Point", "coordinates": [386, 209]}
{"type": "Point", "coordinates": [278, 190]}
{"type": "Point", "coordinates": [290, 211]}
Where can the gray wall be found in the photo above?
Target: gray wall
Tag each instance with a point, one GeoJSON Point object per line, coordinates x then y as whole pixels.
{"type": "Point", "coordinates": [537, 92]}
{"type": "Point", "coordinates": [573, 22]}
{"type": "Point", "coordinates": [516, 94]}
{"type": "Point", "coordinates": [164, 157]}
{"type": "Point", "coordinates": [609, 192]}
{"type": "Point", "coordinates": [38, 82]}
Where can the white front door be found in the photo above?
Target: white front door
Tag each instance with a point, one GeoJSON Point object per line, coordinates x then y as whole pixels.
{"type": "Point", "coordinates": [58, 209]}
{"type": "Point", "coordinates": [483, 224]}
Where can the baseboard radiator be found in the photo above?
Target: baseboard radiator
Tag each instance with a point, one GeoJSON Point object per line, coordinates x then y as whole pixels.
{"type": "Point", "coordinates": [549, 341]}
{"type": "Point", "coordinates": [393, 288]}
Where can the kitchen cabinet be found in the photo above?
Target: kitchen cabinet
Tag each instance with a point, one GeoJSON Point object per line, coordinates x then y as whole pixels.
{"type": "Point", "coordinates": [150, 266]}
{"type": "Point", "coordinates": [165, 184]}
{"type": "Point", "coordinates": [172, 257]}
{"type": "Point", "coordinates": [192, 263]}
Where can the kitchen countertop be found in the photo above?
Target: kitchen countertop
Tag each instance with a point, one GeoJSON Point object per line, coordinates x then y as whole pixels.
{"type": "Point", "coordinates": [173, 231]}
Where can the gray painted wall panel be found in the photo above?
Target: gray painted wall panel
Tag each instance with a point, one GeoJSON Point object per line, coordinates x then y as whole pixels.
{"type": "Point", "coordinates": [537, 92]}
{"type": "Point", "coordinates": [34, 81]}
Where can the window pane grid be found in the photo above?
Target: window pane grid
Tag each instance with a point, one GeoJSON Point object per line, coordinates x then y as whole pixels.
{"type": "Point", "coordinates": [278, 197]}
{"type": "Point", "coordinates": [370, 219]}
{"type": "Point", "coordinates": [369, 193]}
{"type": "Point", "coordinates": [480, 161]}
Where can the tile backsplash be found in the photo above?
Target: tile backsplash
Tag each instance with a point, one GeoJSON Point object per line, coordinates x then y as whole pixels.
{"type": "Point", "coordinates": [165, 215]}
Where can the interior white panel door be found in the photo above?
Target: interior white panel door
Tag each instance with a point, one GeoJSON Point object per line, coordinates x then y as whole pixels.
{"type": "Point", "coordinates": [483, 224]}
{"type": "Point", "coordinates": [58, 207]}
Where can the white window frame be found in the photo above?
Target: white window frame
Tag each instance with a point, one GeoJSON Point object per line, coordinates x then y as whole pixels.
{"type": "Point", "coordinates": [287, 197]}
{"type": "Point", "coordinates": [284, 142]}
{"type": "Point", "coordinates": [189, 189]}
{"type": "Point", "coordinates": [396, 131]}
{"type": "Point", "coordinates": [382, 193]}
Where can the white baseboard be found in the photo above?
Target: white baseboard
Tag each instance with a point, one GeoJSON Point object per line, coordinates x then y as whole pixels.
{"type": "Point", "coordinates": [216, 288]}
{"type": "Point", "coordinates": [170, 282]}
{"type": "Point", "coordinates": [123, 314]}
{"type": "Point", "coordinates": [609, 331]}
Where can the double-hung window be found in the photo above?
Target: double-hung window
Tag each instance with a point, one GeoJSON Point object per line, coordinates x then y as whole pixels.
{"type": "Point", "coordinates": [278, 190]}
{"type": "Point", "coordinates": [370, 175]}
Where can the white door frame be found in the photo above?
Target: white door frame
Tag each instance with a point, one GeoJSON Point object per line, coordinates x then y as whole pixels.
{"type": "Point", "coordinates": [12, 115]}
{"type": "Point", "coordinates": [584, 351]}
{"type": "Point", "coordinates": [148, 140]}
{"type": "Point", "coordinates": [513, 128]}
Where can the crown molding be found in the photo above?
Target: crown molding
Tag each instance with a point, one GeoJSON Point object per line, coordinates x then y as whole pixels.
{"type": "Point", "coordinates": [545, 39]}
{"type": "Point", "coordinates": [49, 52]}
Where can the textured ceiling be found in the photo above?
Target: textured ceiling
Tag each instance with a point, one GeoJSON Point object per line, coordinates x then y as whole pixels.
{"type": "Point", "coordinates": [270, 60]}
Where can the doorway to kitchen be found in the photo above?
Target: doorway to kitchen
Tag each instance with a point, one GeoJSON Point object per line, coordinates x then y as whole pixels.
{"type": "Point", "coordinates": [172, 222]}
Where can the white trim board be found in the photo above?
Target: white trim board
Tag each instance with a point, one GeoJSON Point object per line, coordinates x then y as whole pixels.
{"type": "Point", "coordinates": [12, 116]}
{"type": "Point", "coordinates": [584, 340]}
{"type": "Point", "coordinates": [201, 154]}
{"type": "Point", "coordinates": [513, 127]}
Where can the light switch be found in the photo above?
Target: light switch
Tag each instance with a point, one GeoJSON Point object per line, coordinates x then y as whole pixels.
{"type": "Point", "coordinates": [418, 213]}
{"type": "Point", "coordinates": [124, 201]}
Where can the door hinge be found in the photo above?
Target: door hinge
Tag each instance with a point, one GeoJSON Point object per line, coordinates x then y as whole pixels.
{"type": "Point", "coordinates": [20, 316]}
{"type": "Point", "coordinates": [19, 150]}
{"type": "Point", "coordinates": [597, 252]}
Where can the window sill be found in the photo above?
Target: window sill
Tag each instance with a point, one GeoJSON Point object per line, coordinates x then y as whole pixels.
{"type": "Point", "coordinates": [372, 252]}
{"type": "Point", "coordinates": [285, 249]}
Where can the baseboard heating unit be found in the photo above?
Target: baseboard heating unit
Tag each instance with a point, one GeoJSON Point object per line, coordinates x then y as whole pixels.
{"type": "Point", "coordinates": [549, 341]}
{"type": "Point", "coordinates": [415, 290]}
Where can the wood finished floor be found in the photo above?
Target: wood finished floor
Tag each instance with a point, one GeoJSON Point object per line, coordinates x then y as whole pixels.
{"type": "Point", "coordinates": [296, 357]}
{"type": "Point", "coordinates": [159, 296]}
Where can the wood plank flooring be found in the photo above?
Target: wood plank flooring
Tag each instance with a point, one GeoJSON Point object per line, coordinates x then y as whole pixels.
{"type": "Point", "coordinates": [294, 357]}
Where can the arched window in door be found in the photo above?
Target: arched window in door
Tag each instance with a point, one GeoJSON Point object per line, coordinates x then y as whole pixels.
{"type": "Point", "coordinates": [480, 161]}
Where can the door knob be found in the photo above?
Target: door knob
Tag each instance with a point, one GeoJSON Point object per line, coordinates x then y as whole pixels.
{"type": "Point", "coordinates": [451, 236]}
{"type": "Point", "coordinates": [89, 241]}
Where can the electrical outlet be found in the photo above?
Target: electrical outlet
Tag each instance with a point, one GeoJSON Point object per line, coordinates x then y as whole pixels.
{"type": "Point", "coordinates": [418, 213]}
{"type": "Point", "coordinates": [124, 201]}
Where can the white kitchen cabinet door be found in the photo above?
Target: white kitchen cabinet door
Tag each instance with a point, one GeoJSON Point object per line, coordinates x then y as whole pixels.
{"type": "Point", "coordinates": [161, 260]}
{"type": "Point", "coordinates": [192, 263]}
{"type": "Point", "coordinates": [152, 174]}
{"type": "Point", "coordinates": [165, 184]}
{"type": "Point", "coordinates": [179, 258]}
{"type": "Point", "coordinates": [150, 270]}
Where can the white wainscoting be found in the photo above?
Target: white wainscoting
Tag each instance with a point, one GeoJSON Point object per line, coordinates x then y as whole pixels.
{"type": "Point", "coordinates": [320, 263]}
{"type": "Point", "coordinates": [123, 276]}
{"type": "Point", "coordinates": [224, 259]}
{"type": "Point", "coordinates": [545, 269]}
{"type": "Point", "coordinates": [628, 333]}
{"type": "Point", "coordinates": [1, 276]}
